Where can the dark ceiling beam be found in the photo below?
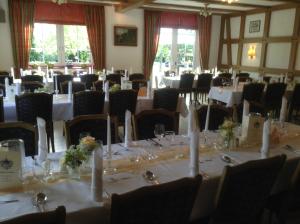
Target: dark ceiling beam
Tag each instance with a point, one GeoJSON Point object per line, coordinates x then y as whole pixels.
{"type": "Point", "coordinates": [239, 4]}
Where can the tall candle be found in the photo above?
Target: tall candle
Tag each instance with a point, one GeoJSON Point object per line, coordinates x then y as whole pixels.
{"type": "Point", "coordinates": [66, 70]}
{"type": "Point", "coordinates": [56, 84]}
{"type": "Point", "coordinates": [207, 115]}
{"type": "Point", "coordinates": [108, 145]}
{"type": "Point", "coordinates": [12, 72]}
{"type": "Point", "coordinates": [21, 72]}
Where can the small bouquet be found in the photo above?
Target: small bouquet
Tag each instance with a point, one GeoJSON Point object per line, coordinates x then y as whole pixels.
{"type": "Point", "coordinates": [115, 88]}
{"type": "Point", "coordinates": [88, 144]}
{"type": "Point", "coordinates": [74, 157]}
{"type": "Point", "coordinates": [227, 131]}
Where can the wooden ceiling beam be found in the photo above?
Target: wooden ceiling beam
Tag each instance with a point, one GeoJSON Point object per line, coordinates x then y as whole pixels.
{"type": "Point", "coordinates": [239, 4]}
{"type": "Point", "coordinates": [125, 6]}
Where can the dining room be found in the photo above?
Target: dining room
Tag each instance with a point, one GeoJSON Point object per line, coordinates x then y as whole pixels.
{"type": "Point", "coordinates": [149, 111]}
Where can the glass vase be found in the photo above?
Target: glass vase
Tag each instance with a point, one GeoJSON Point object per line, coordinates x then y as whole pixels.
{"type": "Point", "coordinates": [74, 172]}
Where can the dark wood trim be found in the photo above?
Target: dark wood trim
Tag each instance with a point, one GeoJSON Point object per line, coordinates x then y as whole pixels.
{"type": "Point", "coordinates": [294, 47]}
{"type": "Point", "coordinates": [264, 46]}
{"type": "Point", "coordinates": [241, 45]}
{"type": "Point", "coordinates": [221, 41]}
{"type": "Point", "coordinates": [228, 35]}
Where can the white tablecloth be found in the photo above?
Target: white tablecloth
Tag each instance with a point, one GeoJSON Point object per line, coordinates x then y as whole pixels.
{"type": "Point", "coordinates": [75, 195]}
{"type": "Point", "coordinates": [63, 108]}
{"type": "Point", "coordinates": [173, 82]}
{"type": "Point", "coordinates": [227, 95]}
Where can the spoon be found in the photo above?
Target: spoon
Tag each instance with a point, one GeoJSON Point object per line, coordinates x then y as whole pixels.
{"type": "Point", "coordinates": [41, 199]}
{"type": "Point", "coordinates": [227, 159]}
{"type": "Point", "coordinates": [150, 176]}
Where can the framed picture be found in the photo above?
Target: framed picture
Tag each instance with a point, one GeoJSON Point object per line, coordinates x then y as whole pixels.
{"type": "Point", "coordinates": [125, 36]}
{"type": "Point", "coordinates": [254, 26]}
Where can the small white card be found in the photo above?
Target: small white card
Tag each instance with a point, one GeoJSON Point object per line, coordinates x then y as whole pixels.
{"type": "Point", "coordinates": [252, 127]}
{"type": "Point", "coordinates": [10, 168]}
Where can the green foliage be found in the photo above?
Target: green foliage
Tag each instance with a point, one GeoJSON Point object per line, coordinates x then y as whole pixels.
{"type": "Point", "coordinates": [74, 157]}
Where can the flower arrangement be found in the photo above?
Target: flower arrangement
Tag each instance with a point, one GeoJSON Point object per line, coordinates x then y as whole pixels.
{"type": "Point", "coordinates": [87, 144]}
{"type": "Point", "coordinates": [45, 89]}
{"type": "Point", "coordinates": [227, 131]}
{"type": "Point", "coordinates": [74, 157]}
{"type": "Point", "coordinates": [115, 87]}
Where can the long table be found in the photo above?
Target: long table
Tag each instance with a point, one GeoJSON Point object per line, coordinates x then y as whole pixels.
{"type": "Point", "coordinates": [63, 107]}
{"type": "Point", "coordinates": [171, 163]}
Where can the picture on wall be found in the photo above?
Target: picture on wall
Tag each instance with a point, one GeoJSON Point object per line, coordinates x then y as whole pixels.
{"type": "Point", "coordinates": [254, 26]}
{"type": "Point", "coordinates": [125, 36]}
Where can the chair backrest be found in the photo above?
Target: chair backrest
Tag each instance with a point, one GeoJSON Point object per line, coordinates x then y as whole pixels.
{"type": "Point", "coordinates": [145, 121]}
{"type": "Point", "coordinates": [116, 78]}
{"type": "Point", "coordinates": [186, 81]}
{"type": "Point", "coordinates": [32, 78]}
{"type": "Point", "coordinates": [294, 204]}
{"type": "Point", "coordinates": [4, 73]}
{"type": "Point", "coordinates": [1, 110]}
{"type": "Point", "coordinates": [295, 100]}
{"type": "Point", "coordinates": [225, 75]}
{"type": "Point", "coordinates": [220, 81]}
{"type": "Point", "coordinates": [58, 216]}
{"type": "Point", "coordinates": [204, 82]}
{"type": "Point", "coordinates": [253, 92]}
{"type": "Point", "coordinates": [29, 106]}
{"type": "Point", "coordinates": [244, 190]}
{"type": "Point", "coordinates": [89, 79]}
{"type": "Point", "coordinates": [88, 102]}
{"type": "Point", "coordinates": [120, 71]}
{"type": "Point", "coordinates": [267, 79]}
{"type": "Point", "coordinates": [136, 76]}
{"type": "Point", "coordinates": [158, 204]}
{"type": "Point", "coordinates": [95, 125]}
{"type": "Point", "coordinates": [58, 72]}
{"type": "Point", "coordinates": [273, 95]}
{"type": "Point", "coordinates": [218, 113]}
{"type": "Point", "coordinates": [31, 86]}
{"type": "Point", "coordinates": [243, 75]}
{"type": "Point", "coordinates": [98, 85]}
{"type": "Point", "coordinates": [21, 130]}
{"type": "Point", "coordinates": [166, 98]}
{"type": "Point", "coordinates": [3, 77]}
{"type": "Point", "coordinates": [120, 101]}
{"type": "Point", "coordinates": [60, 79]}
{"type": "Point", "coordinates": [2, 87]}
{"type": "Point", "coordinates": [76, 87]}
{"type": "Point", "coordinates": [137, 84]}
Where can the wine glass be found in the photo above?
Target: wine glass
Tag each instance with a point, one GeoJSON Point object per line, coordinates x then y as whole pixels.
{"type": "Point", "coordinates": [159, 131]}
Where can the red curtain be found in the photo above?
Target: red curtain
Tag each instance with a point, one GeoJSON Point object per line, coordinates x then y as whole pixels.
{"type": "Point", "coordinates": [21, 16]}
{"type": "Point", "coordinates": [67, 14]}
{"type": "Point", "coordinates": [204, 28]}
{"type": "Point", "coordinates": [95, 24]}
{"type": "Point", "coordinates": [179, 20]}
{"type": "Point", "coordinates": [152, 26]}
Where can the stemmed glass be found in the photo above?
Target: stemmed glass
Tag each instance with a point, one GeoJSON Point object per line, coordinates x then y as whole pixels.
{"type": "Point", "coordinates": [159, 131]}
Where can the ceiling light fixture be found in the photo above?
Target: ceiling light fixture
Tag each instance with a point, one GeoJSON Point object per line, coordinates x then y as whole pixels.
{"type": "Point", "coordinates": [204, 11]}
{"type": "Point", "coordinates": [230, 1]}
{"type": "Point", "coordinates": [59, 1]}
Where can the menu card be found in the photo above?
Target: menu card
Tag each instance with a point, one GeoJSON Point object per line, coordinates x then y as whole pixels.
{"type": "Point", "coordinates": [252, 127]}
{"type": "Point", "coordinates": [10, 167]}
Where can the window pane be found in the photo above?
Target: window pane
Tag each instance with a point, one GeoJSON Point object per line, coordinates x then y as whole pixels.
{"type": "Point", "coordinates": [77, 47]}
{"type": "Point", "coordinates": [44, 44]}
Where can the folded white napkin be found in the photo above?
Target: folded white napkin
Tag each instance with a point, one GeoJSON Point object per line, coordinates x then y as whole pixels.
{"type": "Point", "coordinates": [106, 90]}
{"type": "Point", "coordinates": [148, 89]}
{"type": "Point", "coordinates": [246, 108]}
{"type": "Point", "coordinates": [207, 115]}
{"type": "Point", "coordinates": [108, 142]}
{"type": "Point", "coordinates": [265, 139]}
{"type": "Point", "coordinates": [42, 143]}
{"type": "Point", "coordinates": [128, 129]}
{"type": "Point", "coordinates": [70, 90]}
{"type": "Point", "coordinates": [97, 176]}
{"type": "Point", "coordinates": [283, 110]}
{"type": "Point", "coordinates": [194, 153]}
{"type": "Point", "coordinates": [18, 88]}
{"type": "Point", "coordinates": [191, 119]}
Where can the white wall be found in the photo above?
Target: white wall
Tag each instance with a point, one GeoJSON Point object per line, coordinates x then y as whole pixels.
{"type": "Point", "coordinates": [119, 56]}
{"type": "Point", "coordinates": [6, 58]}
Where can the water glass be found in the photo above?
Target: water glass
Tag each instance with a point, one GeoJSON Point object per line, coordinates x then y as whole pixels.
{"type": "Point", "coordinates": [159, 131]}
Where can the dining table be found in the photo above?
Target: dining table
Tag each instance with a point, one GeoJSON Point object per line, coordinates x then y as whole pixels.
{"type": "Point", "coordinates": [174, 81]}
{"type": "Point", "coordinates": [167, 158]}
{"type": "Point", "coordinates": [63, 107]}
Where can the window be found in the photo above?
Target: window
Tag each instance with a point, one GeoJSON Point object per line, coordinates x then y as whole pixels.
{"type": "Point", "coordinates": [60, 44]}
{"type": "Point", "coordinates": [176, 51]}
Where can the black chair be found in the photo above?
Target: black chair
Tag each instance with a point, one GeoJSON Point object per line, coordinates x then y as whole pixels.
{"type": "Point", "coordinates": [58, 216]}
{"type": "Point", "coordinates": [267, 79]}
{"type": "Point", "coordinates": [244, 190]}
{"type": "Point", "coordinates": [253, 93]}
{"type": "Point", "coordinates": [294, 106]}
{"type": "Point", "coordinates": [186, 84]}
{"type": "Point", "coordinates": [88, 80]}
{"type": "Point", "coordinates": [243, 75]}
{"type": "Point", "coordinates": [2, 87]}
{"type": "Point", "coordinates": [31, 86]}
{"type": "Point", "coordinates": [120, 101]}
{"type": "Point", "coordinates": [203, 85]}
{"type": "Point", "coordinates": [76, 87]}
{"type": "Point", "coordinates": [95, 125]}
{"type": "Point", "coordinates": [32, 78]}
{"type": "Point", "coordinates": [4, 73]}
{"type": "Point", "coordinates": [58, 73]}
{"type": "Point", "coordinates": [29, 106]}
{"type": "Point", "coordinates": [88, 102]}
{"type": "Point", "coordinates": [218, 114]}
{"type": "Point", "coordinates": [164, 203]}
{"type": "Point", "coordinates": [3, 77]}
{"type": "Point", "coordinates": [137, 84]}
{"type": "Point", "coordinates": [227, 76]}
{"type": "Point", "coordinates": [115, 78]}
{"type": "Point", "coordinates": [21, 130]}
{"type": "Point", "coordinates": [98, 85]}
{"type": "Point", "coordinates": [166, 98]}
{"type": "Point", "coordinates": [136, 76]}
{"type": "Point", "coordinates": [120, 71]}
{"type": "Point", "coordinates": [220, 81]}
{"type": "Point", "coordinates": [1, 110]}
{"type": "Point", "coordinates": [273, 97]}
{"type": "Point", "coordinates": [60, 79]}
{"type": "Point", "coordinates": [145, 121]}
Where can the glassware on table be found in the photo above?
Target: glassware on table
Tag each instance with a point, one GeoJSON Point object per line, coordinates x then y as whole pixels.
{"type": "Point", "coordinates": [170, 136]}
{"type": "Point", "coordinates": [159, 131]}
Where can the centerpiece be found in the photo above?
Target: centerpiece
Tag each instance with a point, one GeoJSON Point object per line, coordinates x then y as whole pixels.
{"type": "Point", "coordinates": [227, 133]}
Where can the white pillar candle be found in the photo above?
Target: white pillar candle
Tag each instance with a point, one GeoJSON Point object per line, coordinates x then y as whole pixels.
{"type": "Point", "coordinates": [90, 70]}
{"type": "Point", "coordinates": [97, 176]}
{"type": "Point", "coordinates": [194, 153]}
{"type": "Point", "coordinates": [21, 72]}
{"type": "Point", "coordinates": [12, 72]}
{"type": "Point", "coordinates": [283, 110]}
{"type": "Point", "coordinates": [70, 90]}
{"type": "Point", "coordinates": [66, 70]}
{"type": "Point", "coordinates": [112, 70]}
{"type": "Point", "coordinates": [39, 69]}
{"type": "Point", "coordinates": [207, 115]}
{"type": "Point", "coordinates": [266, 139]}
{"type": "Point", "coordinates": [56, 84]}
{"type": "Point", "coordinates": [108, 144]}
